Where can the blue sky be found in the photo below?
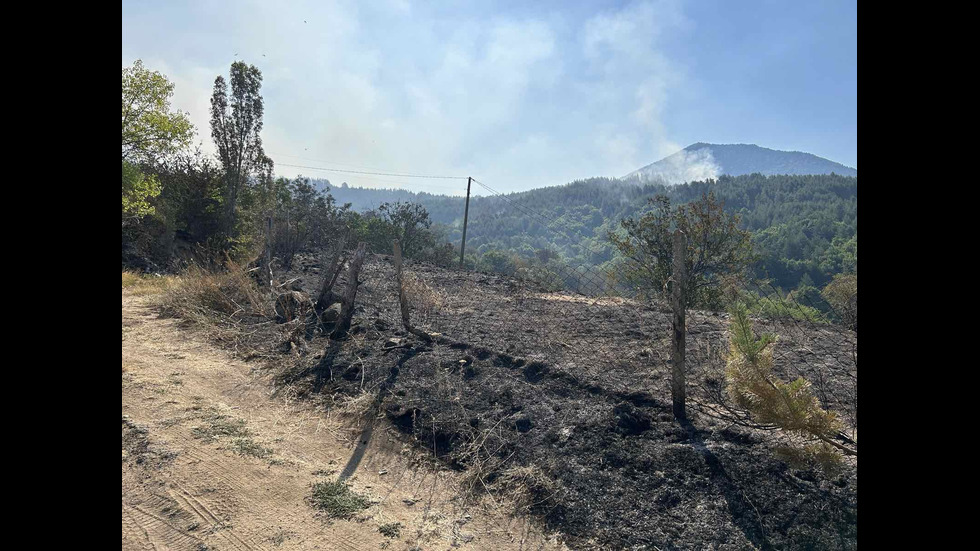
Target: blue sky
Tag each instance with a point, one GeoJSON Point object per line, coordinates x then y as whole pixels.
{"type": "Point", "coordinates": [516, 94]}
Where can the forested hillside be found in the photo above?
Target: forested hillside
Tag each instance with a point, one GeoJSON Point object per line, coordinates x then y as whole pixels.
{"type": "Point", "coordinates": [804, 226]}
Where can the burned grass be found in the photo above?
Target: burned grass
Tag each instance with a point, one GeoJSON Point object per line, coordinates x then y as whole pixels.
{"type": "Point", "coordinates": [561, 406]}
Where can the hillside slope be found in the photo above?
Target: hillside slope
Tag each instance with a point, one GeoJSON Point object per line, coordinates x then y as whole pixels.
{"type": "Point", "coordinates": [704, 160]}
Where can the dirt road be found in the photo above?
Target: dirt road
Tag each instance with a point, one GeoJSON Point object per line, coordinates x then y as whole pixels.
{"type": "Point", "coordinates": [216, 457]}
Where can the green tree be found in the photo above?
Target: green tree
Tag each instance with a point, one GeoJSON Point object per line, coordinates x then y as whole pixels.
{"type": "Point", "coordinates": [716, 248]}
{"type": "Point", "coordinates": [236, 123]}
{"type": "Point", "coordinates": [150, 132]}
{"type": "Point", "coordinates": [409, 223]}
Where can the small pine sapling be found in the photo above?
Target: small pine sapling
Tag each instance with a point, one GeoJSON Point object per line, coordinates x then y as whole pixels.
{"type": "Point", "coordinates": [791, 407]}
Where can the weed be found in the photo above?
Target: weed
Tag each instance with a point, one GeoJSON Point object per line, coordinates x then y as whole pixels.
{"type": "Point", "coordinates": [247, 446]}
{"type": "Point", "coordinates": [337, 499]}
{"type": "Point", "coordinates": [391, 529]}
{"type": "Point", "coordinates": [219, 425]}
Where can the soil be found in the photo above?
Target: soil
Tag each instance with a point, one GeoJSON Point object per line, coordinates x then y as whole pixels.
{"type": "Point", "coordinates": [246, 482]}
{"type": "Point", "coordinates": [573, 392]}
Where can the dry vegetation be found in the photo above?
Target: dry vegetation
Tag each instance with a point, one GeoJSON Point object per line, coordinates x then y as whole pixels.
{"type": "Point", "coordinates": [423, 300]}
{"type": "Point", "coordinates": [229, 307]}
{"type": "Point", "coordinates": [146, 284]}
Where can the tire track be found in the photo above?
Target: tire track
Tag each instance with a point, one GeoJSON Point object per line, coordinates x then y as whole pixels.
{"type": "Point", "coordinates": [159, 531]}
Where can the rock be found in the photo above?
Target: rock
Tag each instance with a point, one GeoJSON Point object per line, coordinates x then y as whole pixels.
{"type": "Point", "coordinates": [331, 314]}
{"type": "Point", "coordinates": [291, 305]}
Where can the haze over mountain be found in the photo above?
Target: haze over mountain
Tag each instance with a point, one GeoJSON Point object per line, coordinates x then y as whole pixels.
{"type": "Point", "coordinates": [704, 160]}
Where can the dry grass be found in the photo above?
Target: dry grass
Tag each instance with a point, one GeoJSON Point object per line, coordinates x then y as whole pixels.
{"type": "Point", "coordinates": [229, 293]}
{"type": "Point", "coordinates": [227, 305]}
{"type": "Point", "coordinates": [527, 486]}
{"type": "Point", "coordinates": [357, 407]}
{"type": "Point", "coordinates": [422, 299]}
{"type": "Point", "coordinates": [146, 284]}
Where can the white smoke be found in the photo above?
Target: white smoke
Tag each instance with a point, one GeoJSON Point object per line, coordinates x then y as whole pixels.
{"type": "Point", "coordinates": [681, 167]}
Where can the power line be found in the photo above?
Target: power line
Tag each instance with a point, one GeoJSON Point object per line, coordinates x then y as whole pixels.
{"type": "Point", "coordinates": [399, 175]}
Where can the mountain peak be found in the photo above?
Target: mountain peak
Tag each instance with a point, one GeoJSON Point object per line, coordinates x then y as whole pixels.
{"type": "Point", "coordinates": [702, 160]}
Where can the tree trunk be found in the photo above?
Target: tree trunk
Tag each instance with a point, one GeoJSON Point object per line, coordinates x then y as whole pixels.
{"type": "Point", "coordinates": [268, 251]}
{"type": "Point", "coordinates": [330, 276]}
{"type": "Point", "coordinates": [347, 306]}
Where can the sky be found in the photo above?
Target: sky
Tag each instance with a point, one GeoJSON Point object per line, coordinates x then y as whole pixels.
{"type": "Point", "coordinates": [517, 95]}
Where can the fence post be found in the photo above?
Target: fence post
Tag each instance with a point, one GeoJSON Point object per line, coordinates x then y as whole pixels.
{"type": "Point", "coordinates": [679, 276]}
{"type": "Point", "coordinates": [466, 216]}
{"type": "Point", "coordinates": [402, 299]}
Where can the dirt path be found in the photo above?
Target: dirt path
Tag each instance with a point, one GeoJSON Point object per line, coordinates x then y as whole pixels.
{"type": "Point", "coordinates": [214, 459]}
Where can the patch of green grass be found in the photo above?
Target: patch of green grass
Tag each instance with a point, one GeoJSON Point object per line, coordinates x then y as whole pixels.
{"type": "Point", "coordinates": [247, 446]}
{"type": "Point", "coordinates": [219, 425]}
{"type": "Point", "coordinates": [338, 500]}
{"type": "Point", "coordinates": [391, 530]}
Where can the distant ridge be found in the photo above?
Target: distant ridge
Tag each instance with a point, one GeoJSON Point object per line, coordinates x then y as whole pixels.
{"type": "Point", "coordinates": [704, 160]}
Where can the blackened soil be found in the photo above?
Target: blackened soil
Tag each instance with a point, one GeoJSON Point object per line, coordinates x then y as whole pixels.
{"type": "Point", "coordinates": [579, 388]}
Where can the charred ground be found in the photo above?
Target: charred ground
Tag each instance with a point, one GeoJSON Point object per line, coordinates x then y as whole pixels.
{"type": "Point", "coordinates": [564, 401]}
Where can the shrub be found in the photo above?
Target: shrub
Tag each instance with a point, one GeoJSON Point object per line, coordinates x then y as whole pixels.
{"type": "Point", "coordinates": [841, 293]}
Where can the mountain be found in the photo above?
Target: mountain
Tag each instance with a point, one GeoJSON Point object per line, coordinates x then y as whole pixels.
{"type": "Point", "coordinates": [704, 160]}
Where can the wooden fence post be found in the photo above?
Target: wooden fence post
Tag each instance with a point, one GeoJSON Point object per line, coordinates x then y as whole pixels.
{"type": "Point", "coordinates": [347, 306]}
{"type": "Point", "coordinates": [677, 295]}
{"type": "Point", "coordinates": [402, 299]}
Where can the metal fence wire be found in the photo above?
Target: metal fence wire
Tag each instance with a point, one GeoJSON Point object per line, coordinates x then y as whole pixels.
{"type": "Point", "coordinates": [592, 333]}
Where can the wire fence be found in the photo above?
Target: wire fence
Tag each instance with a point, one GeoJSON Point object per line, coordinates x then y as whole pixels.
{"type": "Point", "coordinates": [580, 323]}
{"type": "Point", "coordinates": [588, 328]}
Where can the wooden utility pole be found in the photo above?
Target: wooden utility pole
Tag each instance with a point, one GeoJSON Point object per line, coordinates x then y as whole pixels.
{"type": "Point", "coordinates": [347, 305]}
{"type": "Point", "coordinates": [466, 216]}
{"type": "Point", "coordinates": [679, 276]}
